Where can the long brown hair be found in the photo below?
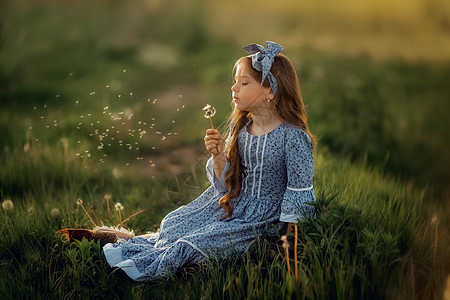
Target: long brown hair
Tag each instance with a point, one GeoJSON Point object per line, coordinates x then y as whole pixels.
{"type": "Point", "coordinates": [288, 105]}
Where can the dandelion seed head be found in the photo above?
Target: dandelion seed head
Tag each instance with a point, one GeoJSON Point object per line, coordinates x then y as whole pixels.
{"type": "Point", "coordinates": [434, 219]}
{"type": "Point", "coordinates": [79, 202]}
{"type": "Point", "coordinates": [209, 110]}
{"type": "Point", "coordinates": [7, 205]}
{"type": "Point", "coordinates": [107, 196]}
{"type": "Point", "coordinates": [55, 213]}
{"type": "Point", "coordinates": [31, 210]}
{"type": "Point", "coordinates": [118, 206]}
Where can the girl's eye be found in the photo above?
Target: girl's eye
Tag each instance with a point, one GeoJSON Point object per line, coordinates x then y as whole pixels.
{"type": "Point", "coordinates": [244, 83]}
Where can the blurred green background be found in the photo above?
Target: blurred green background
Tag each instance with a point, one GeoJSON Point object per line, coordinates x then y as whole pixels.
{"type": "Point", "coordinates": [374, 75]}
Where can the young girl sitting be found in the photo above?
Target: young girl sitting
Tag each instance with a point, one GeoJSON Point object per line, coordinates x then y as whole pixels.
{"type": "Point", "coordinates": [260, 177]}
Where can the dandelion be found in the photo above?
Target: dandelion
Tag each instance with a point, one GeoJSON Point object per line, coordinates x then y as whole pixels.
{"type": "Point", "coordinates": [91, 93]}
{"type": "Point", "coordinates": [285, 245]}
{"type": "Point", "coordinates": [107, 198]}
{"type": "Point", "coordinates": [55, 212]}
{"type": "Point", "coordinates": [31, 210]}
{"type": "Point", "coordinates": [210, 111]}
{"type": "Point", "coordinates": [119, 208]}
{"type": "Point", "coordinates": [7, 205]}
{"type": "Point", "coordinates": [80, 203]}
{"type": "Point", "coordinates": [26, 147]}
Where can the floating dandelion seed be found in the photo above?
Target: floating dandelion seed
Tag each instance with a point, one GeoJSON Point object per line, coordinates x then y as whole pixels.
{"type": "Point", "coordinates": [210, 111]}
{"type": "Point", "coordinates": [7, 205]}
{"type": "Point", "coordinates": [124, 70]}
{"type": "Point", "coordinates": [91, 93]}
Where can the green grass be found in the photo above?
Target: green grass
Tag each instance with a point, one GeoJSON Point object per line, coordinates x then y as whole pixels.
{"type": "Point", "coordinates": [358, 245]}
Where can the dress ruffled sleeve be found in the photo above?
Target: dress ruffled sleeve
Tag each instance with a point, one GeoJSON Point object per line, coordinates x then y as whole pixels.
{"type": "Point", "coordinates": [300, 171]}
{"type": "Point", "coordinates": [218, 184]}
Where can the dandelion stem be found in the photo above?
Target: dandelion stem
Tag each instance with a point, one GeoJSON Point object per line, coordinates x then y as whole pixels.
{"type": "Point", "coordinates": [295, 251]}
{"type": "Point", "coordinates": [212, 126]}
{"type": "Point", "coordinates": [130, 217]}
{"type": "Point", "coordinates": [82, 206]}
{"type": "Point", "coordinates": [287, 261]}
{"type": "Point", "coordinates": [107, 205]}
{"type": "Point", "coordinates": [120, 216]}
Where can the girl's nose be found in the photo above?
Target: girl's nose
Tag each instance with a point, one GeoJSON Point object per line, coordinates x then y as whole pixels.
{"type": "Point", "coordinates": [234, 87]}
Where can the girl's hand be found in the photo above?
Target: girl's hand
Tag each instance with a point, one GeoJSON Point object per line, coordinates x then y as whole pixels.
{"type": "Point", "coordinates": [213, 142]}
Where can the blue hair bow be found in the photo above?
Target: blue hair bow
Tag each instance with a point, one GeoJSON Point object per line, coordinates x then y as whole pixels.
{"type": "Point", "coordinates": [262, 60]}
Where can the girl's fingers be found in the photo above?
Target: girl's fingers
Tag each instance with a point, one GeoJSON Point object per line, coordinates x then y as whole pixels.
{"type": "Point", "coordinates": [212, 131]}
{"type": "Point", "coordinates": [213, 141]}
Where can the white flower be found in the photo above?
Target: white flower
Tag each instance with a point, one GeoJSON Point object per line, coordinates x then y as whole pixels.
{"type": "Point", "coordinates": [7, 205]}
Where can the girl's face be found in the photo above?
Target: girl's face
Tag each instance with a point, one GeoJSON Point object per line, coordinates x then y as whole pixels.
{"type": "Point", "coordinates": [248, 94]}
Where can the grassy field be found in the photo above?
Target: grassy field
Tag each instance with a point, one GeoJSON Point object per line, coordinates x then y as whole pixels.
{"type": "Point", "coordinates": [106, 98]}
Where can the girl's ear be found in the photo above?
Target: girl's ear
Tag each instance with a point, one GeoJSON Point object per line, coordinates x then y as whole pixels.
{"type": "Point", "coordinates": [270, 95]}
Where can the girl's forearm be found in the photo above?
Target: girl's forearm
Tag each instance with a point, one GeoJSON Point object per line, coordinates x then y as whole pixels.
{"type": "Point", "coordinates": [219, 162]}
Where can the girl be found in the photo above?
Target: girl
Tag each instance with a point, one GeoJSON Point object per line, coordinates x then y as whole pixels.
{"type": "Point", "coordinates": [262, 175]}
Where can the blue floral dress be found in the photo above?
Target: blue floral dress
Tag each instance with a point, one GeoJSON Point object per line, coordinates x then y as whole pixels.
{"type": "Point", "coordinates": [277, 181]}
